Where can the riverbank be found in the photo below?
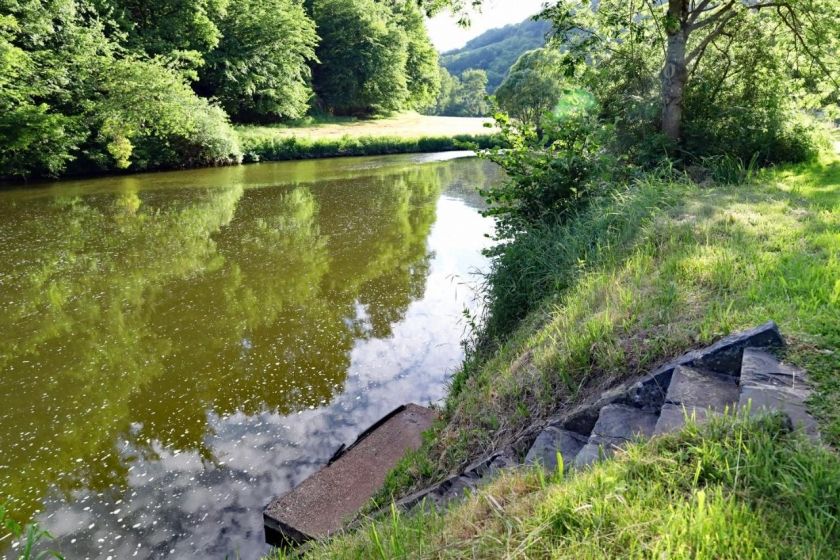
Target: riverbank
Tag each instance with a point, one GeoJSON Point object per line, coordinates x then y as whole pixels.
{"type": "Point", "coordinates": [399, 134]}
{"type": "Point", "coordinates": [404, 133]}
{"type": "Point", "coordinates": [656, 267]}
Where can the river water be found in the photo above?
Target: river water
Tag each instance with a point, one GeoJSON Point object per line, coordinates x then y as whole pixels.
{"type": "Point", "coordinates": [177, 348]}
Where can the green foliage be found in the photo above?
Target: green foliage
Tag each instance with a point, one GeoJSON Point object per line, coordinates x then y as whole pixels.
{"type": "Point", "coordinates": [90, 106]}
{"type": "Point", "coordinates": [270, 147]}
{"type": "Point", "coordinates": [423, 75]}
{"type": "Point", "coordinates": [533, 87]}
{"type": "Point", "coordinates": [548, 172]}
{"type": "Point", "coordinates": [466, 97]}
{"type": "Point", "coordinates": [26, 538]}
{"type": "Point", "coordinates": [260, 69]}
{"type": "Point", "coordinates": [496, 50]}
{"type": "Point", "coordinates": [746, 81]}
{"type": "Point", "coordinates": [184, 30]}
{"type": "Point", "coordinates": [362, 57]}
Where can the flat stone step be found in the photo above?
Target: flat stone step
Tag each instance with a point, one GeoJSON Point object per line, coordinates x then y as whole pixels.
{"type": "Point", "coordinates": [455, 487]}
{"type": "Point", "coordinates": [617, 424]}
{"type": "Point", "coordinates": [322, 503]}
{"type": "Point", "coordinates": [696, 393]}
{"type": "Point", "coordinates": [551, 441]}
{"type": "Point", "coordinates": [768, 385]}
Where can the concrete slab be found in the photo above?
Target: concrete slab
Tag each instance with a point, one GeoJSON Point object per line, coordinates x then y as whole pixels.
{"type": "Point", "coordinates": [322, 503]}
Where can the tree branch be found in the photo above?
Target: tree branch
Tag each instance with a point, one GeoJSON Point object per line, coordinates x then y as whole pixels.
{"type": "Point", "coordinates": [711, 36]}
{"type": "Point", "coordinates": [712, 18]}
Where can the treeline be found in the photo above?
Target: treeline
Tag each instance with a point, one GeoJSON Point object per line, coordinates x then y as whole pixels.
{"type": "Point", "coordinates": [94, 85]}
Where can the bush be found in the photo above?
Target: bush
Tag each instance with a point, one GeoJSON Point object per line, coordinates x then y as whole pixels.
{"type": "Point", "coordinates": [549, 172]}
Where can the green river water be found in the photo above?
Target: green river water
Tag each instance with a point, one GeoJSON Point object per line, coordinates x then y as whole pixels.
{"type": "Point", "coordinates": [177, 348]}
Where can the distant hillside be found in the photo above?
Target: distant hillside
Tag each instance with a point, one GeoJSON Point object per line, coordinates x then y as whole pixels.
{"type": "Point", "coordinates": [496, 50]}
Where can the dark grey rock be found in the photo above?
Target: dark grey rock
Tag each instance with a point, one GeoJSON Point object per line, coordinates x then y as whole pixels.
{"type": "Point", "coordinates": [552, 441]}
{"type": "Point", "coordinates": [725, 355]}
{"type": "Point", "coordinates": [597, 449]}
{"type": "Point", "coordinates": [694, 388]}
{"type": "Point", "coordinates": [649, 392]}
{"type": "Point", "coordinates": [672, 418]}
{"type": "Point", "coordinates": [768, 384]}
{"type": "Point", "coordinates": [761, 368]}
{"type": "Point", "coordinates": [580, 420]}
{"type": "Point", "coordinates": [763, 400]}
{"type": "Point", "coordinates": [623, 422]}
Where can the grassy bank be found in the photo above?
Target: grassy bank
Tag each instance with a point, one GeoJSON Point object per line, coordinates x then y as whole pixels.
{"type": "Point", "coordinates": [734, 489]}
{"type": "Point", "coordinates": [646, 272]}
{"type": "Point", "coordinates": [404, 133]}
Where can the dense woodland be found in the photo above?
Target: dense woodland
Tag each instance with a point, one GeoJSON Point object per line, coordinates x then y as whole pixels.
{"type": "Point", "coordinates": [89, 85]}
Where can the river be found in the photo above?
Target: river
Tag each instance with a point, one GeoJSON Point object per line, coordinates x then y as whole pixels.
{"type": "Point", "coordinates": [177, 348]}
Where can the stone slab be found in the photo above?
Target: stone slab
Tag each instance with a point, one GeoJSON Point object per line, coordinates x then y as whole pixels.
{"type": "Point", "coordinates": [598, 448]}
{"type": "Point", "coordinates": [552, 441]}
{"type": "Point", "coordinates": [322, 503]}
{"type": "Point", "coordinates": [673, 417]}
{"type": "Point", "coordinates": [763, 400]}
{"type": "Point", "coordinates": [768, 384]}
{"type": "Point", "coordinates": [761, 368]}
{"type": "Point", "coordinates": [695, 388]}
{"type": "Point", "coordinates": [623, 422]}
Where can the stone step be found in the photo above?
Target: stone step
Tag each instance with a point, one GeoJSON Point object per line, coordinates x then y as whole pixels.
{"type": "Point", "coordinates": [455, 487]}
{"type": "Point", "coordinates": [696, 393]}
{"type": "Point", "coordinates": [768, 385]}
{"type": "Point", "coordinates": [617, 424]}
{"type": "Point", "coordinates": [550, 442]}
{"type": "Point", "coordinates": [322, 503]}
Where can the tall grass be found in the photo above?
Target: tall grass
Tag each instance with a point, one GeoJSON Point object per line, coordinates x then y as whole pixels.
{"type": "Point", "coordinates": [734, 489]}
{"type": "Point", "coordinates": [269, 146]}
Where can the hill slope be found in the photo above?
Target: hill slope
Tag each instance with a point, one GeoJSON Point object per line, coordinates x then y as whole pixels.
{"type": "Point", "coordinates": [496, 50]}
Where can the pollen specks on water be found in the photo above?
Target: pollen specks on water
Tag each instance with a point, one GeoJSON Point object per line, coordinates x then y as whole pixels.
{"type": "Point", "coordinates": [176, 348]}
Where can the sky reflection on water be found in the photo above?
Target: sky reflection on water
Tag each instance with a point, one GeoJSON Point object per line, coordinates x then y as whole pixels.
{"type": "Point", "coordinates": [180, 347]}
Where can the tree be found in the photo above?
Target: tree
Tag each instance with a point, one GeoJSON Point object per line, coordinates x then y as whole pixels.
{"type": "Point", "coordinates": [422, 68]}
{"type": "Point", "coordinates": [260, 69]}
{"type": "Point", "coordinates": [533, 86]}
{"type": "Point", "coordinates": [181, 30]}
{"type": "Point", "coordinates": [471, 97]}
{"type": "Point", "coordinates": [73, 99]}
{"type": "Point", "coordinates": [363, 55]}
{"type": "Point", "coordinates": [712, 20]}
{"type": "Point", "coordinates": [681, 33]}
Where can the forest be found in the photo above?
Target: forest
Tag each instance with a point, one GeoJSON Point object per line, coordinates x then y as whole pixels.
{"type": "Point", "coordinates": [97, 85]}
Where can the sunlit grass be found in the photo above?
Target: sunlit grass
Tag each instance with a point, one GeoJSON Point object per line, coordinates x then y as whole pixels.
{"type": "Point", "coordinates": [734, 489]}
{"type": "Point", "coordinates": [644, 274]}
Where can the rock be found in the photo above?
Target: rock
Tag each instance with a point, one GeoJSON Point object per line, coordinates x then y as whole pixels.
{"type": "Point", "coordinates": [601, 448]}
{"type": "Point", "coordinates": [695, 388]}
{"type": "Point", "coordinates": [617, 424]}
{"type": "Point", "coordinates": [618, 421]}
{"type": "Point", "coordinates": [768, 385]}
{"type": "Point", "coordinates": [722, 357]}
{"type": "Point", "coordinates": [725, 355]}
{"type": "Point", "coordinates": [551, 441]}
{"type": "Point", "coordinates": [760, 368]}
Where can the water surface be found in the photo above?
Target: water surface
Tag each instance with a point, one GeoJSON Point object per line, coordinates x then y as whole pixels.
{"type": "Point", "coordinates": [177, 348]}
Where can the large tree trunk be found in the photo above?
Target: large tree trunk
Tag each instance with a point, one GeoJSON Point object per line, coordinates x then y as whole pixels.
{"type": "Point", "coordinates": [674, 73]}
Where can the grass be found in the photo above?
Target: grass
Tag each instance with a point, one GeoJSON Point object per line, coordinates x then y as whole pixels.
{"type": "Point", "coordinates": [734, 489]}
{"type": "Point", "coordinates": [403, 133]}
{"type": "Point", "coordinates": [644, 273]}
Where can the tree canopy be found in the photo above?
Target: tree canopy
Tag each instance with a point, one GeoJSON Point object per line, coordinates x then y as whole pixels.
{"type": "Point", "coordinates": [89, 85]}
{"type": "Point", "coordinates": [534, 85]}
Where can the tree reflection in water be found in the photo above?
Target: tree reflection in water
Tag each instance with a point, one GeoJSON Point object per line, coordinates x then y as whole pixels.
{"type": "Point", "coordinates": [178, 347]}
